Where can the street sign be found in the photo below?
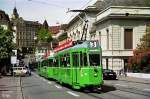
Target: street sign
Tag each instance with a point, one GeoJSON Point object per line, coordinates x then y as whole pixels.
{"type": "Point", "coordinates": [15, 52]}
{"type": "Point", "coordinates": [13, 59]}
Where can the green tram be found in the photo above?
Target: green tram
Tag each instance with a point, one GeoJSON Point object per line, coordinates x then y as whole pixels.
{"type": "Point", "coordinates": [79, 66]}
{"type": "Point", "coordinates": [45, 68]}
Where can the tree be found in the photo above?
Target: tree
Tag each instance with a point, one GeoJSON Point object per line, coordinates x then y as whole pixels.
{"type": "Point", "coordinates": [140, 62]}
{"type": "Point", "coordinates": [44, 35]}
{"type": "Point", "coordinates": [6, 46]}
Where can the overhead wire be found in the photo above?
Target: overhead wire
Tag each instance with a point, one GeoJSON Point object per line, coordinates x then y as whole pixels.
{"type": "Point", "coordinates": [85, 5]}
{"type": "Point", "coordinates": [46, 3]}
{"type": "Point", "coordinates": [59, 6]}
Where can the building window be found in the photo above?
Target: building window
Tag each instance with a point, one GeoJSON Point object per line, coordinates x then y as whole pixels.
{"type": "Point", "coordinates": [128, 38]}
{"type": "Point", "coordinates": [107, 31]}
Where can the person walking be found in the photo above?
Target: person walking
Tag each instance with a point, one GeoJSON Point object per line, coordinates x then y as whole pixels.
{"type": "Point", "coordinates": [125, 69]}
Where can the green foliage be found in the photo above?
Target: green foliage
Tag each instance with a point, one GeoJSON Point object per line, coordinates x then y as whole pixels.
{"type": "Point", "coordinates": [44, 35]}
{"type": "Point", "coordinates": [6, 44]}
{"type": "Point", "coordinates": [136, 68]}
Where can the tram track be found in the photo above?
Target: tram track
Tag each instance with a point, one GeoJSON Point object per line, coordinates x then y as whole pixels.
{"type": "Point", "coordinates": [135, 91]}
{"type": "Point", "coordinates": [109, 92]}
{"type": "Point", "coordinates": [134, 82]}
{"type": "Point", "coordinates": [99, 96]}
{"type": "Point", "coordinates": [131, 90]}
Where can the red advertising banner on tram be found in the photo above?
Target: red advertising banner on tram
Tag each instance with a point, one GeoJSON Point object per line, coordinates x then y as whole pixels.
{"type": "Point", "coordinates": [63, 46]}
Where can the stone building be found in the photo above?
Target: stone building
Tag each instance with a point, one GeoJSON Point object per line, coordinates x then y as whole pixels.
{"type": "Point", "coordinates": [25, 32]}
{"type": "Point", "coordinates": [81, 25]}
{"type": "Point", "coordinates": [59, 34]}
{"type": "Point", "coordinates": [119, 26]}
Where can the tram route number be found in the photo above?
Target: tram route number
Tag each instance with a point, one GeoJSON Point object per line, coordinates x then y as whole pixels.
{"type": "Point", "coordinates": [93, 44]}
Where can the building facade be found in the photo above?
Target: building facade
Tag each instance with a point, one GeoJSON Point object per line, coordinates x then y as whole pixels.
{"type": "Point", "coordinates": [119, 25]}
{"type": "Point", "coordinates": [119, 28]}
{"type": "Point", "coordinates": [25, 32]}
{"type": "Point", "coordinates": [59, 34]}
{"type": "Point", "coordinates": [81, 25]}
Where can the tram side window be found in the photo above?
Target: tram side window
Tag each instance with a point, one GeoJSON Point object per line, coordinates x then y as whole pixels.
{"type": "Point", "coordinates": [43, 63]}
{"type": "Point", "coordinates": [46, 63]}
{"type": "Point", "coordinates": [83, 59]}
{"type": "Point", "coordinates": [62, 61]}
{"type": "Point", "coordinates": [55, 62]}
{"type": "Point", "coordinates": [68, 60]}
{"type": "Point", "coordinates": [65, 60]}
{"type": "Point", "coordinates": [50, 62]}
{"type": "Point", "coordinates": [76, 59]}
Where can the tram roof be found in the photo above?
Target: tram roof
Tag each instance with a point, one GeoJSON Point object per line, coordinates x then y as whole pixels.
{"type": "Point", "coordinates": [85, 44]}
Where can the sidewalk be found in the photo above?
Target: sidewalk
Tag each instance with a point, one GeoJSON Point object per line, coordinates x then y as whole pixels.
{"type": "Point", "coordinates": [134, 79]}
{"type": "Point", "coordinates": [10, 88]}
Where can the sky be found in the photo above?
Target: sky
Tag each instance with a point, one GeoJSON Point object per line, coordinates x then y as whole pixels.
{"type": "Point", "coordinates": [54, 11]}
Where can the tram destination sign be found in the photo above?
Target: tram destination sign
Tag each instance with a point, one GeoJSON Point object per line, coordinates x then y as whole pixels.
{"type": "Point", "coordinates": [93, 44]}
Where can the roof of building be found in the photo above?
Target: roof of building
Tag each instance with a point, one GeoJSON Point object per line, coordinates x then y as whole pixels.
{"type": "Point", "coordinates": [54, 29]}
{"type": "Point", "coordinates": [45, 24]}
{"type": "Point", "coordinates": [102, 4]}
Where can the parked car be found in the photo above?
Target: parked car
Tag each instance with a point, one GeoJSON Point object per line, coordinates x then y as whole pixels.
{"type": "Point", "coordinates": [109, 74]}
{"type": "Point", "coordinates": [21, 71]}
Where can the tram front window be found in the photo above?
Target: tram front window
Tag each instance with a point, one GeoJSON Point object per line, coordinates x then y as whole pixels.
{"type": "Point", "coordinates": [94, 59]}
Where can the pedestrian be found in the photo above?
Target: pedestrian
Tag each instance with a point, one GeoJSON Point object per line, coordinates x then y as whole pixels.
{"type": "Point", "coordinates": [120, 72]}
{"type": "Point", "coordinates": [0, 75]}
{"type": "Point", "coordinates": [125, 69]}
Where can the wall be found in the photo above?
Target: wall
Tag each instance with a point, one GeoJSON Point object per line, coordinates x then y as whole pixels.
{"type": "Point", "coordinates": [114, 50]}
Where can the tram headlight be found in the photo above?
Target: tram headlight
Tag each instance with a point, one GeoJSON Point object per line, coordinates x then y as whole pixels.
{"type": "Point", "coordinates": [81, 72]}
{"type": "Point", "coordinates": [95, 74]}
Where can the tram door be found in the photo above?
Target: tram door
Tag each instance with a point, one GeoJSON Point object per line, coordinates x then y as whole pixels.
{"type": "Point", "coordinates": [76, 67]}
